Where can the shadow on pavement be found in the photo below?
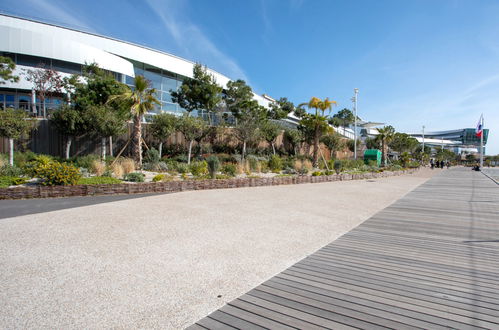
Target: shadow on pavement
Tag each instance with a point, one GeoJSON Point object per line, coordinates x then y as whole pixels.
{"type": "Point", "coordinates": [16, 208]}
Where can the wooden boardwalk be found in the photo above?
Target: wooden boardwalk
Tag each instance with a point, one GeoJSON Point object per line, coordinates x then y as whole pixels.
{"type": "Point", "coordinates": [430, 261]}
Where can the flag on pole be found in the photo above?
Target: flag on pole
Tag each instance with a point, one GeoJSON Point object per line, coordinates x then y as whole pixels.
{"type": "Point", "coordinates": [479, 127]}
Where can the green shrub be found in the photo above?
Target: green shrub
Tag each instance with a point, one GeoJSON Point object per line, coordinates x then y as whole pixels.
{"type": "Point", "coordinates": [413, 164]}
{"type": "Point", "coordinates": [135, 177]}
{"type": "Point", "coordinates": [317, 173]}
{"type": "Point", "coordinates": [229, 169]}
{"type": "Point", "coordinates": [213, 165]}
{"type": "Point", "coordinates": [33, 167]}
{"type": "Point", "coordinates": [253, 162]}
{"type": "Point", "coordinates": [99, 180]}
{"type": "Point", "coordinates": [199, 168]}
{"type": "Point", "coordinates": [6, 181]}
{"type": "Point", "coordinates": [110, 160]}
{"type": "Point", "coordinates": [182, 168]}
{"type": "Point", "coordinates": [264, 166]}
{"type": "Point", "coordinates": [288, 162]}
{"type": "Point", "coordinates": [275, 163]}
{"type": "Point", "coordinates": [21, 158]}
{"type": "Point", "coordinates": [158, 177]}
{"type": "Point", "coordinates": [151, 156]}
{"type": "Point", "coordinates": [226, 158]}
{"type": "Point", "coordinates": [222, 177]}
{"type": "Point", "coordinates": [337, 165]}
{"type": "Point", "coordinates": [56, 174]}
{"type": "Point", "coordinates": [8, 170]}
{"type": "Point", "coordinates": [86, 161]}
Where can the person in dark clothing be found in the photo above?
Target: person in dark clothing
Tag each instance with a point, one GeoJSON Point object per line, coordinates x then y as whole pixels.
{"type": "Point", "coordinates": [441, 164]}
{"type": "Point", "coordinates": [432, 164]}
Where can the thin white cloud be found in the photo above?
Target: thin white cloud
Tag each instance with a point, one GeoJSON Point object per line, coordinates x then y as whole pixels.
{"type": "Point", "coordinates": [295, 5]}
{"type": "Point", "coordinates": [59, 14]}
{"type": "Point", "coordinates": [266, 22]}
{"type": "Point", "coordinates": [191, 39]}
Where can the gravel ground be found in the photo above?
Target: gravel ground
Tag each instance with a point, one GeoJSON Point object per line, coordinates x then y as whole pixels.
{"type": "Point", "coordinates": [165, 261]}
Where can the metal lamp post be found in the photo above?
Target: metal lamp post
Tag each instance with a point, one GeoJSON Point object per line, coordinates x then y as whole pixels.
{"type": "Point", "coordinates": [354, 99]}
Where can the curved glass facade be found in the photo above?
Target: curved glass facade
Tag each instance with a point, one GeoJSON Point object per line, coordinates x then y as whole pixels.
{"type": "Point", "coordinates": [163, 81]}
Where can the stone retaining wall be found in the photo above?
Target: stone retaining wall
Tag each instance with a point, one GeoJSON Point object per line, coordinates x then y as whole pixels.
{"type": "Point", "coordinates": [176, 186]}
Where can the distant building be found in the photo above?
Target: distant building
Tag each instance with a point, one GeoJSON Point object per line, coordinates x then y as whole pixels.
{"type": "Point", "coordinates": [461, 141]}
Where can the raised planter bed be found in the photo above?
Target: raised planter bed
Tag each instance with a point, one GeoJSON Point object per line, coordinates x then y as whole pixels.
{"type": "Point", "coordinates": [177, 186]}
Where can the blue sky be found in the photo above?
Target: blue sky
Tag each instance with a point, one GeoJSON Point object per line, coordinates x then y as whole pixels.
{"type": "Point", "coordinates": [415, 62]}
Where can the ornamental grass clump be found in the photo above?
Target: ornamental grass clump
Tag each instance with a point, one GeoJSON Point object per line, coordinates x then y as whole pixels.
{"type": "Point", "coordinates": [213, 165]}
{"type": "Point", "coordinates": [117, 170]}
{"type": "Point", "coordinates": [128, 165]}
{"type": "Point", "coordinates": [98, 167]}
{"type": "Point", "coordinates": [58, 174]}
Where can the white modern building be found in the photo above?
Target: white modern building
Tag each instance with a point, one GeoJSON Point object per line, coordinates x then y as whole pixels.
{"type": "Point", "coordinates": [31, 44]}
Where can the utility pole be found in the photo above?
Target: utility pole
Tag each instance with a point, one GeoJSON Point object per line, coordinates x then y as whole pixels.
{"type": "Point", "coordinates": [481, 145]}
{"type": "Point", "coordinates": [422, 150]}
{"type": "Point", "coordinates": [423, 139]}
{"type": "Point", "coordinates": [354, 99]}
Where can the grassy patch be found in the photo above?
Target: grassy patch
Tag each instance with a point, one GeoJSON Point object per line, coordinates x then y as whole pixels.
{"type": "Point", "coordinates": [99, 180]}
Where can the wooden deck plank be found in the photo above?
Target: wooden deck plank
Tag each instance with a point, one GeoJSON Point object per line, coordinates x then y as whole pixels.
{"type": "Point", "coordinates": [430, 260]}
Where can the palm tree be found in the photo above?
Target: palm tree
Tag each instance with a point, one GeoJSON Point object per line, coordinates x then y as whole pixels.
{"type": "Point", "coordinates": [141, 100]}
{"type": "Point", "coordinates": [317, 123]}
{"type": "Point", "coordinates": [385, 136]}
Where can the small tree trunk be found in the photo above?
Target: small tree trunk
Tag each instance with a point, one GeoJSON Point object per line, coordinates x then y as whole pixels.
{"type": "Point", "coordinates": [111, 146]}
{"type": "Point", "coordinates": [44, 108]}
{"type": "Point", "coordinates": [244, 151]}
{"type": "Point", "coordinates": [160, 149]}
{"type": "Point", "coordinates": [68, 146]}
{"type": "Point", "coordinates": [11, 151]}
{"type": "Point", "coordinates": [103, 148]}
{"type": "Point", "coordinates": [273, 147]}
{"type": "Point", "coordinates": [137, 140]}
{"type": "Point", "coordinates": [190, 152]}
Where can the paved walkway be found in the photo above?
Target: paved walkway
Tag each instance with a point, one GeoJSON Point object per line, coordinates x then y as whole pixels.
{"type": "Point", "coordinates": [430, 260]}
{"type": "Point", "coordinates": [165, 261]}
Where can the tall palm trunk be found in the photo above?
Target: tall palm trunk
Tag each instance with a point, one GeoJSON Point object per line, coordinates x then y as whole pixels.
{"type": "Point", "coordinates": [137, 140]}
{"type": "Point", "coordinates": [160, 149]}
{"type": "Point", "coordinates": [103, 148]}
{"type": "Point", "coordinates": [383, 154]}
{"type": "Point", "coordinates": [316, 148]}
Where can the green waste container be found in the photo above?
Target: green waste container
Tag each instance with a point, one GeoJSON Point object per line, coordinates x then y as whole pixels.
{"type": "Point", "coordinates": [372, 154]}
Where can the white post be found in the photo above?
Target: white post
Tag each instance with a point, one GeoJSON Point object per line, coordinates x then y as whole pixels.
{"type": "Point", "coordinates": [481, 145]}
{"type": "Point", "coordinates": [33, 101]}
{"type": "Point", "coordinates": [11, 151]}
{"type": "Point", "coordinates": [423, 139]}
{"type": "Point", "coordinates": [356, 92]}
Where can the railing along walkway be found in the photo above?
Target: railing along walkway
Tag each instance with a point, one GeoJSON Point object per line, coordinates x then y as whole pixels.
{"type": "Point", "coordinates": [430, 260]}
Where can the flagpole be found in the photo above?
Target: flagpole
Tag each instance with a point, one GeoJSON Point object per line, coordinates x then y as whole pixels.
{"type": "Point", "coordinates": [481, 145]}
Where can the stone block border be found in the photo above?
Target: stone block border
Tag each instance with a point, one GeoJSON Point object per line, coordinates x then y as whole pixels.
{"type": "Point", "coordinates": [177, 186]}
